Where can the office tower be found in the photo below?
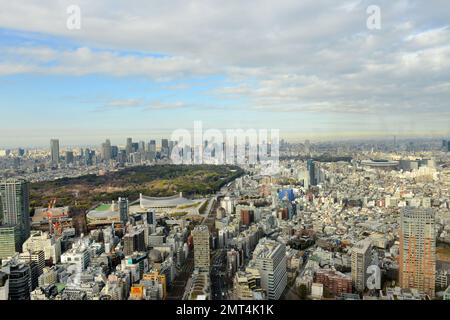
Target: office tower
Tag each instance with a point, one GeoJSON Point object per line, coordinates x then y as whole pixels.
{"type": "Point", "coordinates": [151, 149]}
{"type": "Point", "coordinates": [69, 157]}
{"type": "Point", "coordinates": [9, 238]}
{"type": "Point", "coordinates": [151, 217]}
{"type": "Point", "coordinates": [307, 147]}
{"type": "Point", "coordinates": [165, 147]}
{"type": "Point", "coordinates": [200, 236]}
{"type": "Point", "coordinates": [87, 157]}
{"type": "Point", "coordinates": [361, 258]}
{"type": "Point", "coordinates": [16, 209]}
{"type": "Point", "coordinates": [54, 151]}
{"type": "Point", "coordinates": [269, 258]}
{"type": "Point", "coordinates": [114, 152]}
{"type": "Point", "coordinates": [135, 147]}
{"type": "Point", "coordinates": [123, 210]}
{"type": "Point", "coordinates": [19, 281]}
{"type": "Point", "coordinates": [106, 150]}
{"type": "Point", "coordinates": [417, 249]}
{"type": "Point", "coordinates": [133, 241]}
{"type": "Point", "coordinates": [311, 168]}
{"type": "Point", "coordinates": [129, 146]}
{"type": "Point", "coordinates": [122, 157]}
{"type": "Point", "coordinates": [141, 146]}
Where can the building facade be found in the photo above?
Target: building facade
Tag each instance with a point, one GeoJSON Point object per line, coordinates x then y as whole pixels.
{"type": "Point", "coordinates": [418, 250]}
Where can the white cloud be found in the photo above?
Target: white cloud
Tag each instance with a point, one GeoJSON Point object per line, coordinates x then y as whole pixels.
{"type": "Point", "coordinates": [296, 56]}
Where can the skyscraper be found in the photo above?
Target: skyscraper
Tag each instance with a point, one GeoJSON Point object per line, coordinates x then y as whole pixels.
{"type": "Point", "coordinates": [200, 236]}
{"type": "Point", "coordinates": [123, 210]}
{"type": "Point", "coordinates": [69, 157]}
{"type": "Point", "coordinates": [54, 151]}
{"type": "Point", "coordinates": [129, 146]}
{"type": "Point", "coordinates": [151, 149]}
{"type": "Point", "coordinates": [361, 258]}
{"type": "Point", "coordinates": [165, 147]}
{"type": "Point", "coordinates": [20, 281]}
{"type": "Point", "coordinates": [15, 204]}
{"type": "Point", "coordinates": [106, 150]}
{"type": "Point", "coordinates": [417, 249]}
{"type": "Point", "coordinates": [311, 168]}
{"type": "Point", "coordinates": [9, 239]}
{"type": "Point", "coordinates": [269, 258]}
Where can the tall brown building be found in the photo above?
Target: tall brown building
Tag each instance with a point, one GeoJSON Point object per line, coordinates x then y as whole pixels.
{"type": "Point", "coordinates": [247, 217]}
{"type": "Point", "coordinates": [418, 249]}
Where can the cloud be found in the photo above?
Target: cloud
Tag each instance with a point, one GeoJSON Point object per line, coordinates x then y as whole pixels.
{"type": "Point", "coordinates": [293, 56]}
{"type": "Point", "coordinates": [141, 105]}
{"type": "Point", "coordinates": [123, 103]}
{"type": "Point", "coordinates": [84, 61]}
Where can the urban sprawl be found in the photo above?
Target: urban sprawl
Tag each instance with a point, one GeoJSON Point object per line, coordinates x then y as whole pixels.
{"type": "Point", "coordinates": [347, 220]}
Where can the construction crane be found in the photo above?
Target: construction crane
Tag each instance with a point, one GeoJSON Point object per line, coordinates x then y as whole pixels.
{"type": "Point", "coordinates": [49, 216]}
{"type": "Point", "coordinates": [54, 226]}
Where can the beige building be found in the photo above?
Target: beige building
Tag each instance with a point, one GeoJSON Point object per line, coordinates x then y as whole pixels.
{"type": "Point", "coordinates": [361, 258]}
{"type": "Point", "coordinates": [200, 236]}
{"type": "Point", "coordinates": [417, 267]}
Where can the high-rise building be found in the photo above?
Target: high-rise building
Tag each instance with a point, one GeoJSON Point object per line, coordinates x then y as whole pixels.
{"type": "Point", "coordinates": [165, 147]}
{"type": "Point", "coordinates": [311, 168]}
{"type": "Point", "coordinates": [106, 150]}
{"type": "Point", "coordinates": [9, 239]}
{"type": "Point", "coordinates": [129, 146]}
{"type": "Point", "coordinates": [200, 236]}
{"type": "Point", "coordinates": [151, 217]}
{"type": "Point", "coordinates": [151, 150]}
{"type": "Point", "coordinates": [114, 152]}
{"type": "Point", "coordinates": [87, 157]}
{"type": "Point", "coordinates": [123, 210]}
{"type": "Point", "coordinates": [361, 258]}
{"type": "Point", "coordinates": [15, 204]}
{"type": "Point", "coordinates": [134, 241]}
{"type": "Point", "coordinates": [418, 249]}
{"type": "Point", "coordinates": [54, 151]}
{"type": "Point", "coordinates": [69, 157]}
{"type": "Point", "coordinates": [269, 258]}
{"type": "Point", "coordinates": [19, 281]}
{"type": "Point", "coordinates": [307, 147]}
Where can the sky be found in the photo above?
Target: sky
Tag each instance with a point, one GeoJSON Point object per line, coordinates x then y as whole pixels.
{"type": "Point", "coordinates": [311, 68]}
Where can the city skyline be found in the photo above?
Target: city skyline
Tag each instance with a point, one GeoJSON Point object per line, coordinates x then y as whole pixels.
{"type": "Point", "coordinates": [153, 69]}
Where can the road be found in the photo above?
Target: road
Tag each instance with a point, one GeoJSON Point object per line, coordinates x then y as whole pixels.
{"type": "Point", "coordinates": [176, 290]}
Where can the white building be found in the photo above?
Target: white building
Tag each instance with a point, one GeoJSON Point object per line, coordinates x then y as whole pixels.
{"type": "Point", "coordinates": [269, 258]}
{"type": "Point", "coordinates": [39, 240]}
{"type": "Point", "coordinates": [78, 256]}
